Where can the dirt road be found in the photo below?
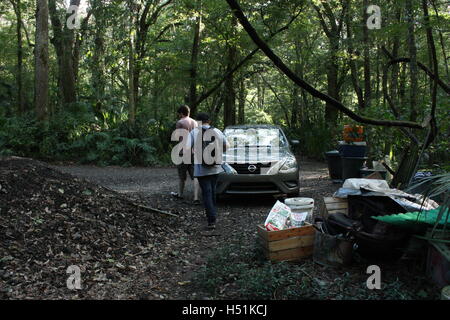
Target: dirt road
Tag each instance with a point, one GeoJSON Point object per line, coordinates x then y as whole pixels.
{"type": "Point", "coordinates": [183, 256]}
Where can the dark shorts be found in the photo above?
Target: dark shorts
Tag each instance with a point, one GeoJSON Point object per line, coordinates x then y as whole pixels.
{"type": "Point", "coordinates": [184, 169]}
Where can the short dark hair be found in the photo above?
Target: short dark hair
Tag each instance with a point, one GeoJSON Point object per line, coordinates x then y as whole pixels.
{"type": "Point", "coordinates": [203, 117]}
{"type": "Point", "coordinates": [184, 110]}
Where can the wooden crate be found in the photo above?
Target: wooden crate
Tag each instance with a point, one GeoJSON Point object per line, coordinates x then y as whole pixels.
{"type": "Point", "coordinates": [334, 205]}
{"type": "Point", "coordinates": [286, 245]}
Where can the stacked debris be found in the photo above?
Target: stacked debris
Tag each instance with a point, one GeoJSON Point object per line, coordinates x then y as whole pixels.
{"type": "Point", "coordinates": [359, 225]}
{"type": "Point", "coordinates": [50, 221]}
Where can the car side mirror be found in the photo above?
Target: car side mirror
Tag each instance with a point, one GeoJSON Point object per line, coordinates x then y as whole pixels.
{"type": "Point", "coordinates": [295, 142]}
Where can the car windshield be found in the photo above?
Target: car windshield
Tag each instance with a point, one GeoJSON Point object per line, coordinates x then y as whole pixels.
{"type": "Point", "coordinates": [261, 137]}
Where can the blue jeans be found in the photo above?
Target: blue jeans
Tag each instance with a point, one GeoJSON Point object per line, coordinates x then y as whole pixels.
{"type": "Point", "coordinates": [208, 186]}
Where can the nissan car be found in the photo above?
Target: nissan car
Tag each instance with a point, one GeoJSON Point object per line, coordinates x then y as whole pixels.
{"type": "Point", "coordinates": [259, 160]}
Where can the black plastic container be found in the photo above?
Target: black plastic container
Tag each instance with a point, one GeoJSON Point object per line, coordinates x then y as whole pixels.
{"type": "Point", "coordinates": [351, 150]}
{"type": "Point", "coordinates": [351, 167]}
{"type": "Point", "coordinates": [334, 160]}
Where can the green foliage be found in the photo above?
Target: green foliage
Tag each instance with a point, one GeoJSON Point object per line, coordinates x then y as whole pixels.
{"type": "Point", "coordinates": [315, 138]}
{"type": "Point", "coordinates": [250, 275]}
{"type": "Point", "coordinates": [239, 272]}
{"type": "Point", "coordinates": [166, 68]}
{"type": "Point", "coordinates": [19, 136]}
{"type": "Point", "coordinates": [66, 137]}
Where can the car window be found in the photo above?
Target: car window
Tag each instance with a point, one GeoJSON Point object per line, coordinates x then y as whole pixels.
{"type": "Point", "coordinates": [255, 137]}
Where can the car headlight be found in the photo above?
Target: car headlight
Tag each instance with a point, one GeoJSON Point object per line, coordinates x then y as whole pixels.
{"type": "Point", "coordinates": [289, 166]}
{"type": "Point", "coordinates": [229, 169]}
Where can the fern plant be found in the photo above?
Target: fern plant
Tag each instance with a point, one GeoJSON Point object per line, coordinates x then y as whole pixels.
{"type": "Point", "coordinates": [437, 186]}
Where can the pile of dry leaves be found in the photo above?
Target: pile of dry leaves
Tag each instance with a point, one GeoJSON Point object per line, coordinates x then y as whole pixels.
{"type": "Point", "coordinates": [50, 221]}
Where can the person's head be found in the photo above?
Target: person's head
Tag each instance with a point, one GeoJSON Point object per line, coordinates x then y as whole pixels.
{"type": "Point", "coordinates": [183, 111]}
{"type": "Point", "coordinates": [203, 118]}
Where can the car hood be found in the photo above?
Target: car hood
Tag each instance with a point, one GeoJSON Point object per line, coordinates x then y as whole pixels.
{"type": "Point", "coordinates": [255, 155]}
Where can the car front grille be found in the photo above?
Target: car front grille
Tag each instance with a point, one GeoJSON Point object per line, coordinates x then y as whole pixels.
{"type": "Point", "coordinates": [247, 168]}
{"type": "Point", "coordinates": [253, 187]}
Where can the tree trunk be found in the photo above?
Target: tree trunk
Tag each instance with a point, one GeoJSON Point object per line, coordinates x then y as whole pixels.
{"type": "Point", "coordinates": [435, 69]}
{"type": "Point", "coordinates": [229, 105]}
{"type": "Point", "coordinates": [413, 69]}
{"type": "Point", "coordinates": [63, 40]}
{"type": "Point", "coordinates": [237, 11]}
{"type": "Point", "coordinates": [132, 76]}
{"type": "Point", "coordinates": [442, 42]}
{"type": "Point", "coordinates": [241, 99]}
{"type": "Point", "coordinates": [366, 54]}
{"type": "Point", "coordinates": [353, 67]}
{"type": "Point", "coordinates": [98, 70]}
{"type": "Point", "coordinates": [20, 94]}
{"type": "Point", "coordinates": [331, 114]}
{"type": "Point", "coordinates": [41, 60]}
{"type": "Point", "coordinates": [395, 69]}
{"type": "Point", "coordinates": [194, 60]}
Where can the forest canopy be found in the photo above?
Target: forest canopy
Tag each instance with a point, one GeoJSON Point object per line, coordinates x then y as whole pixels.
{"type": "Point", "coordinates": [100, 81]}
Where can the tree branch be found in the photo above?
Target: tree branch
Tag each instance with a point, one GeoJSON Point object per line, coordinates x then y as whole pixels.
{"type": "Point", "coordinates": [303, 84]}
{"type": "Point", "coordinates": [205, 95]}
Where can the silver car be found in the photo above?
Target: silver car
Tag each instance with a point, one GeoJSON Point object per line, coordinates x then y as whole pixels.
{"type": "Point", "coordinates": [258, 160]}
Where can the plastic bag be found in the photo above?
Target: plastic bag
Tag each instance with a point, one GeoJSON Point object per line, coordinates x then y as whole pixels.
{"type": "Point", "coordinates": [278, 217]}
{"type": "Point", "coordinates": [298, 219]}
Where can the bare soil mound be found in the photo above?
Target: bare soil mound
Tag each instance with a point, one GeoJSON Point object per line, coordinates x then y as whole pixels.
{"type": "Point", "coordinates": [50, 220]}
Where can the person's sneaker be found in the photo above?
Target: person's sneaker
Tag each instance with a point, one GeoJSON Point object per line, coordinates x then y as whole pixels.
{"type": "Point", "coordinates": [211, 226]}
{"type": "Point", "coordinates": [176, 195]}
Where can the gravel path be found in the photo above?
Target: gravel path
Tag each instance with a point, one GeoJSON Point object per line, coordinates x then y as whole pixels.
{"type": "Point", "coordinates": [148, 182]}
{"type": "Point", "coordinates": [237, 216]}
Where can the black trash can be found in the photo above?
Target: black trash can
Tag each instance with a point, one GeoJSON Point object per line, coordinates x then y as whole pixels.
{"type": "Point", "coordinates": [334, 160]}
{"type": "Point", "coordinates": [351, 167]}
{"type": "Point", "coordinates": [351, 150]}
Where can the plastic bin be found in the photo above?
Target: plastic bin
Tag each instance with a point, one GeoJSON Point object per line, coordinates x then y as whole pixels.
{"type": "Point", "coordinates": [351, 167]}
{"type": "Point", "coordinates": [353, 150]}
{"type": "Point", "coordinates": [334, 160]}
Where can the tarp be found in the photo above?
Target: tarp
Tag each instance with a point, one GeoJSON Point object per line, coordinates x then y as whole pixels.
{"type": "Point", "coordinates": [410, 219]}
{"type": "Point", "coordinates": [373, 187]}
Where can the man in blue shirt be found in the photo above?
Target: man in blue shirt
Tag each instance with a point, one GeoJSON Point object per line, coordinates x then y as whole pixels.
{"type": "Point", "coordinates": [207, 173]}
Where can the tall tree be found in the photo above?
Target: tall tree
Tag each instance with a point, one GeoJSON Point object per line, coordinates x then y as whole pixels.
{"type": "Point", "coordinates": [142, 17]}
{"type": "Point", "coordinates": [194, 54]}
{"type": "Point", "coordinates": [229, 104]}
{"type": "Point", "coordinates": [332, 26]}
{"type": "Point", "coordinates": [98, 63]}
{"type": "Point", "coordinates": [412, 49]}
{"type": "Point", "coordinates": [303, 84]}
{"type": "Point", "coordinates": [17, 5]}
{"type": "Point", "coordinates": [41, 60]}
{"type": "Point", "coordinates": [64, 42]}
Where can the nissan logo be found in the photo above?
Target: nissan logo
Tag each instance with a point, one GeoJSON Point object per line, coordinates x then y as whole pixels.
{"type": "Point", "coordinates": [252, 168]}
